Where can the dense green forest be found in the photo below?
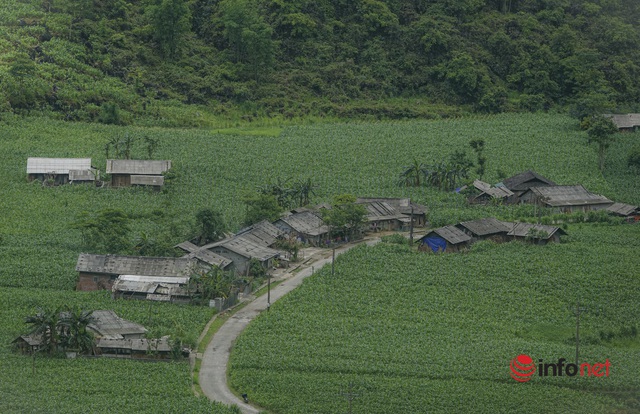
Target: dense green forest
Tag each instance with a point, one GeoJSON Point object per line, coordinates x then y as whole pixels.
{"type": "Point", "coordinates": [119, 61]}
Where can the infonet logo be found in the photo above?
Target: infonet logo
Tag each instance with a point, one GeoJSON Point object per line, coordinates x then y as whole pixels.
{"type": "Point", "coordinates": [523, 368]}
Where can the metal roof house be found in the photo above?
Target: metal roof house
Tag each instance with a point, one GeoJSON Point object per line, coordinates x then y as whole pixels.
{"type": "Point", "coordinates": [140, 348]}
{"type": "Point", "coordinates": [625, 122]}
{"type": "Point", "coordinates": [107, 324]}
{"type": "Point", "coordinates": [240, 250]}
{"type": "Point", "coordinates": [566, 198]}
{"type": "Point", "coordinates": [488, 193]}
{"type": "Point", "coordinates": [100, 271]}
{"type": "Point", "coordinates": [125, 173]}
{"type": "Point", "coordinates": [156, 288]}
{"type": "Point", "coordinates": [629, 212]}
{"type": "Point", "coordinates": [539, 233]}
{"type": "Point", "coordinates": [60, 170]}
{"type": "Point", "coordinates": [486, 228]}
{"type": "Point", "coordinates": [306, 226]}
{"type": "Point", "coordinates": [522, 182]}
{"type": "Point", "coordinates": [445, 239]}
{"type": "Point", "coordinates": [263, 232]}
{"type": "Point", "coordinates": [403, 206]}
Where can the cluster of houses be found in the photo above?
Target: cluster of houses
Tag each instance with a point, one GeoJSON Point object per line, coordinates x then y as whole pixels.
{"type": "Point", "coordinates": [167, 278]}
{"type": "Point", "coordinates": [527, 187]}
{"type": "Point", "coordinates": [455, 238]}
{"type": "Point", "coordinates": [123, 173]}
{"type": "Point", "coordinates": [113, 336]}
{"type": "Point", "coordinates": [532, 188]}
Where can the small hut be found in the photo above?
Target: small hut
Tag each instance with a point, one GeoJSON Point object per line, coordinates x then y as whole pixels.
{"type": "Point", "coordinates": [60, 170]}
{"type": "Point", "coordinates": [305, 226]}
{"type": "Point", "coordinates": [537, 233]}
{"type": "Point", "coordinates": [520, 183]}
{"type": "Point", "coordinates": [100, 271]}
{"type": "Point", "coordinates": [125, 173]}
{"type": "Point", "coordinates": [240, 251]}
{"type": "Point", "coordinates": [445, 239]}
{"type": "Point", "coordinates": [485, 193]}
{"type": "Point", "coordinates": [627, 211]}
{"type": "Point", "coordinates": [625, 122]}
{"type": "Point", "coordinates": [566, 198]}
{"type": "Point", "coordinates": [404, 207]}
{"type": "Point", "coordinates": [486, 228]}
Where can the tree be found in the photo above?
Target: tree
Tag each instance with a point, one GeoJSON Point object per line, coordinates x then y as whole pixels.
{"type": "Point", "coordinates": [412, 174]}
{"type": "Point", "coordinates": [345, 216]}
{"type": "Point", "coordinates": [105, 231]}
{"type": "Point", "coordinates": [601, 131]}
{"type": "Point", "coordinates": [261, 207]}
{"type": "Point", "coordinates": [249, 36]}
{"type": "Point", "coordinates": [633, 160]}
{"type": "Point", "coordinates": [303, 190]}
{"type": "Point", "coordinates": [478, 146]}
{"type": "Point", "coordinates": [45, 325]}
{"type": "Point", "coordinates": [73, 330]}
{"type": "Point", "coordinates": [210, 226]}
{"type": "Point", "coordinates": [171, 21]}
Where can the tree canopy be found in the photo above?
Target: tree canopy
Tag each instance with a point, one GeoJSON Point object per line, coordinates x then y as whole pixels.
{"type": "Point", "coordinates": [326, 57]}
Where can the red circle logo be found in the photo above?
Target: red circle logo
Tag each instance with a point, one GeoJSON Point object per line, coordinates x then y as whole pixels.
{"type": "Point", "coordinates": [522, 368]}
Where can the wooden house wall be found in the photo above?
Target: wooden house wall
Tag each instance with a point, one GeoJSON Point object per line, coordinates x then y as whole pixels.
{"type": "Point", "coordinates": [58, 179]}
{"type": "Point", "coordinates": [95, 281]}
{"type": "Point", "coordinates": [120, 180]}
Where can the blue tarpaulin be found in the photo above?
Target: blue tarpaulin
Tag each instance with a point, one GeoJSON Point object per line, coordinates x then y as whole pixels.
{"type": "Point", "coordinates": [436, 243]}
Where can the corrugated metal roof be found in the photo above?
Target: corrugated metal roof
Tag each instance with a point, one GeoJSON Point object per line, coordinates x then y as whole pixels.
{"type": "Point", "coordinates": [134, 265]}
{"type": "Point", "coordinates": [262, 232]}
{"type": "Point", "coordinates": [568, 195]}
{"type": "Point", "coordinates": [56, 165]}
{"type": "Point", "coordinates": [143, 344]}
{"type": "Point", "coordinates": [209, 257]}
{"type": "Point", "coordinates": [245, 248]}
{"type": "Point", "coordinates": [154, 180]}
{"type": "Point", "coordinates": [622, 209]}
{"type": "Point", "coordinates": [138, 167]}
{"type": "Point", "coordinates": [306, 223]}
{"type": "Point", "coordinates": [82, 175]}
{"type": "Point", "coordinates": [187, 246]}
{"type": "Point", "coordinates": [401, 205]}
{"type": "Point", "coordinates": [380, 210]}
{"type": "Point", "coordinates": [522, 230]}
{"type": "Point", "coordinates": [485, 226]}
{"type": "Point", "coordinates": [451, 234]}
{"type": "Point", "coordinates": [107, 323]}
{"type": "Point", "coordinates": [526, 180]}
{"type": "Point", "coordinates": [625, 120]}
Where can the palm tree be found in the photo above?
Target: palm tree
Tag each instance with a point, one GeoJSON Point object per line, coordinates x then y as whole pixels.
{"type": "Point", "coordinates": [45, 324]}
{"type": "Point", "coordinates": [303, 190]}
{"type": "Point", "coordinates": [412, 174]}
{"type": "Point", "coordinates": [75, 335]}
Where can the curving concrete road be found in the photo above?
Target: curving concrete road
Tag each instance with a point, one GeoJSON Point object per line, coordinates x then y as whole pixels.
{"type": "Point", "coordinates": [213, 370]}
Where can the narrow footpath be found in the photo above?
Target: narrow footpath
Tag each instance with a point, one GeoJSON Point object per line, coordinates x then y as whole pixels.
{"type": "Point", "coordinates": [213, 370]}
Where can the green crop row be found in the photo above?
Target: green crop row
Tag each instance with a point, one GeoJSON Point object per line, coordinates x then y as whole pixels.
{"type": "Point", "coordinates": [436, 332]}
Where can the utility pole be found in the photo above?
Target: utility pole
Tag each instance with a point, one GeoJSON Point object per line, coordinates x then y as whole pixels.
{"type": "Point", "coordinates": [268, 291]}
{"type": "Point", "coordinates": [411, 228]}
{"type": "Point", "coordinates": [578, 311]}
{"type": "Point", "coordinates": [333, 262]}
{"type": "Point", "coordinates": [350, 396]}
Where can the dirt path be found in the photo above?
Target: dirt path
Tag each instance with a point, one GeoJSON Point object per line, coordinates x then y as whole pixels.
{"type": "Point", "coordinates": [215, 360]}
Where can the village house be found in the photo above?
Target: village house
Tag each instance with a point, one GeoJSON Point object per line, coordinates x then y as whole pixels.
{"type": "Point", "coordinates": [101, 271]}
{"type": "Point", "coordinates": [625, 122]}
{"type": "Point", "coordinates": [305, 226]}
{"type": "Point", "coordinates": [447, 239]}
{"type": "Point", "coordinates": [161, 289]}
{"type": "Point", "coordinates": [61, 170]}
{"type": "Point", "coordinates": [539, 233]}
{"type": "Point", "coordinates": [520, 183]}
{"type": "Point", "coordinates": [241, 250]}
{"type": "Point", "coordinates": [486, 193]}
{"type": "Point", "coordinates": [486, 228]}
{"type": "Point", "coordinates": [627, 211]}
{"type": "Point", "coordinates": [263, 233]}
{"type": "Point", "coordinates": [125, 173]}
{"type": "Point", "coordinates": [403, 206]}
{"type": "Point", "coordinates": [104, 325]}
{"type": "Point", "coordinates": [566, 198]}
{"type": "Point", "coordinates": [143, 348]}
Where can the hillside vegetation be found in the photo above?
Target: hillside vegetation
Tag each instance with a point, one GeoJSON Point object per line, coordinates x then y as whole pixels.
{"type": "Point", "coordinates": [118, 61]}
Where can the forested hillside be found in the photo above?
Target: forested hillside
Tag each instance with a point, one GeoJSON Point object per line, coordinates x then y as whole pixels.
{"type": "Point", "coordinates": [114, 61]}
